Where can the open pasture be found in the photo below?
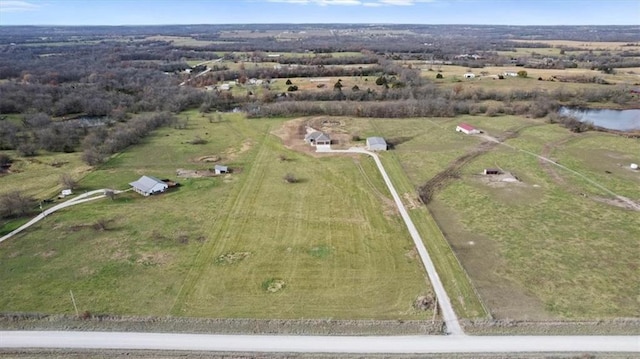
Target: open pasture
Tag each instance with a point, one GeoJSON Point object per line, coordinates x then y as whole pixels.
{"type": "Point", "coordinates": [532, 246]}
{"type": "Point", "coordinates": [242, 245]}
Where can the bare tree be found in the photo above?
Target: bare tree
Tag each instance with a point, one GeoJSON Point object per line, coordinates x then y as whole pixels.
{"type": "Point", "coordinates": [15, 204]}
{"type": "Point", "coordinates": [67, 182]}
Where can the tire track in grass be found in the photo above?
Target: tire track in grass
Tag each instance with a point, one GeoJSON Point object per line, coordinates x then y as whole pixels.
{"type": "Point", "coordinates": [247, 189]}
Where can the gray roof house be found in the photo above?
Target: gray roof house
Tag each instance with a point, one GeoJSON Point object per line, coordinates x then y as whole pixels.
{"type": "Point", "coordinates": [376, 144]}
{"type": "Point", "coordinates": [148, 185]}
{"type": "Point", "coordinates": [218, 169]}
{"type": "Point", "coordinates": [317, 138]}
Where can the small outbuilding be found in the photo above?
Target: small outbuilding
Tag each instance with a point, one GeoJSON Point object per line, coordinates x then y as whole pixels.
{"type": "Point", "coordinates": [317, 138]}
{"type": "Point", "coordinates": [218, 169]}
{"type": "Point", "coordinates": [376, 144]}
{"type": "Point", "coordinates": [66, 192]}
{"type": "Point", "coordinates": [492, 171]}
{"type": "Point", "coordinates": [469, 75]}
{"type": "Point", "coordinates": [467, 129]}
{"type": "Point", "coordinates": [634, 166]}
{"type": "Point", "coordinates": [148, 185]}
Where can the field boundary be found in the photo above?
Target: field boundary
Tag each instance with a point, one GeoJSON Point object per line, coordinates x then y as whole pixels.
{"type": "Point", "coordinates": [40, 321]}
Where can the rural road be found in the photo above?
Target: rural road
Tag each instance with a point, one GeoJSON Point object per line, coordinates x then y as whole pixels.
{"type": "Point", "coordinates": [448, 314]}
{"type": "Point", "coordinates": [85, 197]}
{"type": "Point", "coordinates": [319, 344]}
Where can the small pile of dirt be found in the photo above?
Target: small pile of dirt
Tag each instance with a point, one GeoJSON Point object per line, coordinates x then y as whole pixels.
{"type": "Point", "coordinates": [180, 172]}
{"type": "Point", "coordinates": [273, 285]}
{"type": "Point", "coordinates": [424, 302]}
{"type": "Point", "coordinates": [210, 158]}
{"type": "Point", "coordinates": [231, 258]}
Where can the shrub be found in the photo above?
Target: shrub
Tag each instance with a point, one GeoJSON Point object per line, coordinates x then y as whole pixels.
{"type": "Point", "coordinates": [290, 178]}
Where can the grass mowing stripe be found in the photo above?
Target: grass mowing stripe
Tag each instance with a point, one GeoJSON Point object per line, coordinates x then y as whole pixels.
{"type": "Point", "coordinates": [234, 204]}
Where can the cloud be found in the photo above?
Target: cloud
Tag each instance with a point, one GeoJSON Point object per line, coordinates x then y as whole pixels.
{"type": "Point", "coordinates": [320, 2]}
{"type": "Point", "coordinates": [397, 2]}
{"type": "Point", "coordinates": [368, 3]}
{"type": "Point", "coordinates": [17, 6]}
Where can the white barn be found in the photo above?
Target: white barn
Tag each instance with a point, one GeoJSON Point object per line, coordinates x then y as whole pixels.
{"type": "Point", "coordinates": [467, 129]}
{"type": "Point", "coordinates": [376, 144]}
{"type": "Point", "coordinates": [218, 169]}
{"type": "Point", "coordinates": [148, 185]}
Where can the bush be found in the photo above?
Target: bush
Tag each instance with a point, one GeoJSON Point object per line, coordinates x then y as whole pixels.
{"type": "Point", "coordinates": [67, 182]}
{"type": "Point", "coordinates": [290, 178]}
{"type": "Point", "coordinates": [15, 204]}
{"type": "Point", "coordinates": [292, 88]}
{"type": "Point", "coordinates": [5, 161]}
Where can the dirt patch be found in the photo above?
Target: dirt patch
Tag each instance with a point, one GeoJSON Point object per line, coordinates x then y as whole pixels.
{"type": "Point", "coordinates": [424, 302]}
{"type": "Point", "coordinates": [208, 159]}
{"type": "Point", "coordinates": [232, 153]}
{"type": "Point", "coordinates": [231, 258]}
{"type": "Point", "coordinates": [273, 285]}
{"type": "Point", "coordinates": [412, 254]}
{"type": "Point", "coordinates": [49, 253]}
{"type": "Point", "coordinates": [620, 201]}
{"type": "Point", "coordinates": [411, 201]}
{"type": "Point", "coordinates": [501, 180]}
{"type": "Point", "coordinates": [292, 133]}
{"type": "Point", "coordinates": [153, 259]}
{"type": "Point", "coordinates": [183, 173]}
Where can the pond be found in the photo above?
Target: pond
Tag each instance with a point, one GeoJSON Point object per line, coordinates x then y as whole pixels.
{"type": "Point", "coordinates": [621, 120]}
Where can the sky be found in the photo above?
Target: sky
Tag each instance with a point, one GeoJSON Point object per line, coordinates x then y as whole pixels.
{"type": "Point", "coordinates": [165, 12]}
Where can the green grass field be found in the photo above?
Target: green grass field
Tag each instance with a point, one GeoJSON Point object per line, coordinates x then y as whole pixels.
{"type": "Point", "coordinates": [549, 238]}
{"type": "Point", "coordinates": [243, 245]}
{"type": "Point", "coordinates": [249, 245]}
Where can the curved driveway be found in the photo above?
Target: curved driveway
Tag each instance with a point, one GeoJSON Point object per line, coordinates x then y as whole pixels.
{"type": "Point", "coordinates": [85, 197]}
{"type": "Point", "coordinates": [320, 344]}
{"type": "Point", "coordinates": [448, 314]}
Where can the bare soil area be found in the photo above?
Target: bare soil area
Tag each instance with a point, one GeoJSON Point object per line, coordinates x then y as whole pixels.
{"type": "Point", "coordinates": [292, 133]}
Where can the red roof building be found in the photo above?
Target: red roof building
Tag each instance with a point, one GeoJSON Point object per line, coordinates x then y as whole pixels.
{"type": "Point", "coordinates": [467, 129]}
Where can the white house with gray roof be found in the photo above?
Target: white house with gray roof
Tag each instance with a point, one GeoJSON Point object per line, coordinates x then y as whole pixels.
{"type": "Point", "coordinates": [148, 185]}
{"type": "Point", "coordinates": [376, 144]}
{"type": "Point", "coordinates": [316, 138]}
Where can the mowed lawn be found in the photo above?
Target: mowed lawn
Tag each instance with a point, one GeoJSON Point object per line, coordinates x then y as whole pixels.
{"type": "Point", "coordinates": [547, 247]}
{"type": "Point", "coordinates": [245, 245]}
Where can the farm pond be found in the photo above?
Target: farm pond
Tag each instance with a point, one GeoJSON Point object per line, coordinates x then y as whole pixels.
{"type": "Point", "coordinates": [620, 120]}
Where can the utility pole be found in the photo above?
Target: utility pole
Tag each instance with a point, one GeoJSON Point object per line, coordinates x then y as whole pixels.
{"type": "Point", "coordinates": [73, 300]}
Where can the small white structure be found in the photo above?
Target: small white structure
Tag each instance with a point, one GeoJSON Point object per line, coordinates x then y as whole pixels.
{"type": "Point", "coordinates": [148, 185]}
{"type": "Point", "coordinates": [66, 192]}
{"type": "Point", "coordinates": [469, 75]}
{"type": "Point", "coordinates": [376, 144]}
{"type": "Point", "coordinates": [316, 138]}
{"type": "Point", "coordinates": [225, 87]}
{"type": "Point", "coordinates": [218, 169]}
{"type": "Point", "coordinates": [634, 166]}
{"type": "Point", "coordinates": [467, 129]}
{"type": "Point", "coordinates": [510, 74]}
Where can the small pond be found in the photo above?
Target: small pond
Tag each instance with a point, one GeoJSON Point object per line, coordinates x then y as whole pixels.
{"type": "Point", "coordinates": [621, 120]}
